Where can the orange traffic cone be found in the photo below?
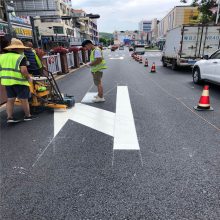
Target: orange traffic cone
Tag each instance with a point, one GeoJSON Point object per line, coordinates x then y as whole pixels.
{"type": "Point", "coordinates": [146, 62]}
{"type": "Point", "coordinates": [204, 102]}
{"type": "Point", "coordinates": [153, 68]}
{"type": "Point", "coordinates": [140, 60]}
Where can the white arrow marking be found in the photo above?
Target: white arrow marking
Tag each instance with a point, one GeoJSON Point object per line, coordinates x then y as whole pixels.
{"type": "Point", "coordinates": [119, 125]}
{"type": "Point", "coordinates": [98, 119]}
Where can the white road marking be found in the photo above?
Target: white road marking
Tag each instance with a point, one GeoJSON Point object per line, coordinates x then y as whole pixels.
{"type": "Point", "coordinates": [95, 118]}
{"type": "Point", "coordinates": [116, 58]}
{"type": "Point", "coordinates": [152, 54]}
{"type": "Point", "coordinates": [89, 97]}
{"type": "Point", "coordinates": [119, 125]}
{"type": "Point", "coordinates": [125, 136]}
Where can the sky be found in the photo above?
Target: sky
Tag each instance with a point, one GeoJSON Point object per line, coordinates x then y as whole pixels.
{"type": "Point", "coordinates": [122, 15]}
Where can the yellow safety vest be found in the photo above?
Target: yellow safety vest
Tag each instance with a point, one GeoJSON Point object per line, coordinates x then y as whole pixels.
{"type": "Point", "coordinates": [100, 66]}
{"type": "Point", "coordinates": [10, 73]}
{"type": "Point", "coordinates": [37, 59]}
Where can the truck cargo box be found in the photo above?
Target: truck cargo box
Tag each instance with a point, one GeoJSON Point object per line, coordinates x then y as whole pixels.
{"type": "Point", "coordinates": [188, 43]}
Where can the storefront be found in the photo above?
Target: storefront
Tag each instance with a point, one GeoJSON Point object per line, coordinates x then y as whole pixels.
{"type": "Point", "coordinates": [3, 33]}
{"type": "Point", "coordinates": [22, 27]}
{"type": "Point", "coordinates": [23, 32]}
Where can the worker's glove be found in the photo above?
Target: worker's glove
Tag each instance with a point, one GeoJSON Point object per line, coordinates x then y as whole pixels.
{"type": "Point", "coordinates": [30, 80]}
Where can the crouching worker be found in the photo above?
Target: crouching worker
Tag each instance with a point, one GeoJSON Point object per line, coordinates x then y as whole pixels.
{"type": "Point", "coordinates": [97, 64]}
{"type": "Point", "coordinates": [15, 77]}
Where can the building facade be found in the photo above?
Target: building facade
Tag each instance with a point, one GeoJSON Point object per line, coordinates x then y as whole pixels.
{"type": "Point", "coordinates": [154, 30]}
{"type": "Point", "coordinates": [20, 26]}
{"type": "Point", "coordinates": [57, 23]}
{"type": "Point", "coordinates": [50, 28]}
{"type": "Point", "coordinates": [145, 26]}
{"type": "Point", "coordinates": [177, 16]}
{"type": "Point", "coordinates": [126, 37]}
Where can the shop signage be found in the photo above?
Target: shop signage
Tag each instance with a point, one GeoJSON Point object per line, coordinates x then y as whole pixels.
{"type": "Point", "coordinates": [20, 31]}
{"type": "Point", "coordinates": [20, 20]}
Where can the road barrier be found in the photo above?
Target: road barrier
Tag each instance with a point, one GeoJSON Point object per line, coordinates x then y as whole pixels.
{"type": "Point", "coordinates": [80, 57]}
{"type": "Point", "coordinates": [70, 60]}
{"type": "Point", "coordinates": [53, 63]}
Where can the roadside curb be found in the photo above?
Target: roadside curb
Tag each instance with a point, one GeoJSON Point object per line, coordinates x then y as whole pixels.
{"type": "Point", "coordinates": [153, 51]}
{"type": "Point", "coordinates": [57, 77]}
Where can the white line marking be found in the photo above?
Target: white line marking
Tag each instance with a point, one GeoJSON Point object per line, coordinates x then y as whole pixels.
{"type": "Point", "coordinates": [42, 153]}
{"type": "Point", "coordinates": [125, 136]}
{"type": "Point", "coordinates": [116, 58]}
{"type": "Point", "coordinates": [89, 97]}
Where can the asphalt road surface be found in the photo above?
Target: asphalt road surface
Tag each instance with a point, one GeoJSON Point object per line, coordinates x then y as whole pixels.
{"type": "Point", "coordinates": [79, 174]}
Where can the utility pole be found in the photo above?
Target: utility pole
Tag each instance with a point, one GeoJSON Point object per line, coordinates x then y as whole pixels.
{"type": "Point", "coordinates": [35, 39]}
{"type": "Point", "coordinates": [217, 16]}
{"type": "Point", "coordinates": [8, 9]}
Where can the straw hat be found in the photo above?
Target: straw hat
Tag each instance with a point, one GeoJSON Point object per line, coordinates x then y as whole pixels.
{"type": "Point", "coordinates": [16, 44]}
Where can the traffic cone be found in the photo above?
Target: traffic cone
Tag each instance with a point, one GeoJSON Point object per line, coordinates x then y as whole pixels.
{"type": "Point", "coordinates": [140, 60]}
{"type": "Point", "coordinates": [146, 62]}
{"type": "Point", "coordinates": [204, 102]}
{"type": "Point", "coordinates": [153, 68]}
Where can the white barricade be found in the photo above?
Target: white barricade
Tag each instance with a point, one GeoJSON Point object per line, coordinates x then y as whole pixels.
{"type": "Point", "coordinates": [53, 63]}
{"type": "Point", "coordinates": [70, 60]}
{"type": "Point", "coordinates": [80, 57]}
{"type": "Point", "coordinates": [87, 57]}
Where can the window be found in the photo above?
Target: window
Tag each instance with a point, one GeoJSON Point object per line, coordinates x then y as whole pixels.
{"type": "Point", "coordinates": [216, 55]}
{"type": "Point", "coordinates": [58, 30]}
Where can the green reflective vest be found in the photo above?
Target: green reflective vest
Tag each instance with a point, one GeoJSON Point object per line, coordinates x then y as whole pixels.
{"type": "Point", "coordinates": [10, 73]}
{"type": "Point", "coordinates": [100, 66]}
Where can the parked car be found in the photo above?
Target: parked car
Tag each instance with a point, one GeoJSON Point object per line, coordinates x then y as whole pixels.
{"type": "Point", "coordinates": [207, 69]}
{"type": "Point", "coordinates": [114, 47]}
{"type": "Point", "coordinates": [131, 48]}
{"type": "Point", "coordinates": [121, 48]}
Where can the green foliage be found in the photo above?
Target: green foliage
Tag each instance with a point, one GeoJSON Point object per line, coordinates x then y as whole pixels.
{"type": "Point", "coordinates": [206, 15]}
{"type": "Point", "coordinates": [103, 41]}
{"type": "Point", "coordinates": [106, 38]}
{"type": "Point", "coordinates": [105, 35]}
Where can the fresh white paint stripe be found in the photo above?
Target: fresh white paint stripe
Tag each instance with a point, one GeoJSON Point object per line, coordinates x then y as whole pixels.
{"type": "Point", "coordinates": [98, 119]}
{"type": "Point", "coordinates": [89, 97]}
{"type": "Point", "coordinates": [60, 119]}
{"type": "Point", "coordinates": [116, 58]}
{"type": "Point", "coordinates": [125, 136]}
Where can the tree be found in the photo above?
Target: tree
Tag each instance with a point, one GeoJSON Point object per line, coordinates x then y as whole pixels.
{"type": "Point", "coordinates": [205, 6]}
{"type": "Point", "coordinates": [103, 41]}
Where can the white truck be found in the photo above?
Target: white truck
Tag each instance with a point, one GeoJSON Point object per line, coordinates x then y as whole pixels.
{"type": "Point", "coordinates": [189, 43]}
{"type": "Point", "coordinates": [139, 49]}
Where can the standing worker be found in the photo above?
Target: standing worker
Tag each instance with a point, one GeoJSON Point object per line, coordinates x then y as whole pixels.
{"type": "Point", "coordinates": [34, 64]}
{"type": "Point", "coordinates": [97, 64]}
{"type": "Point", "coordinates": [15, 77]}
